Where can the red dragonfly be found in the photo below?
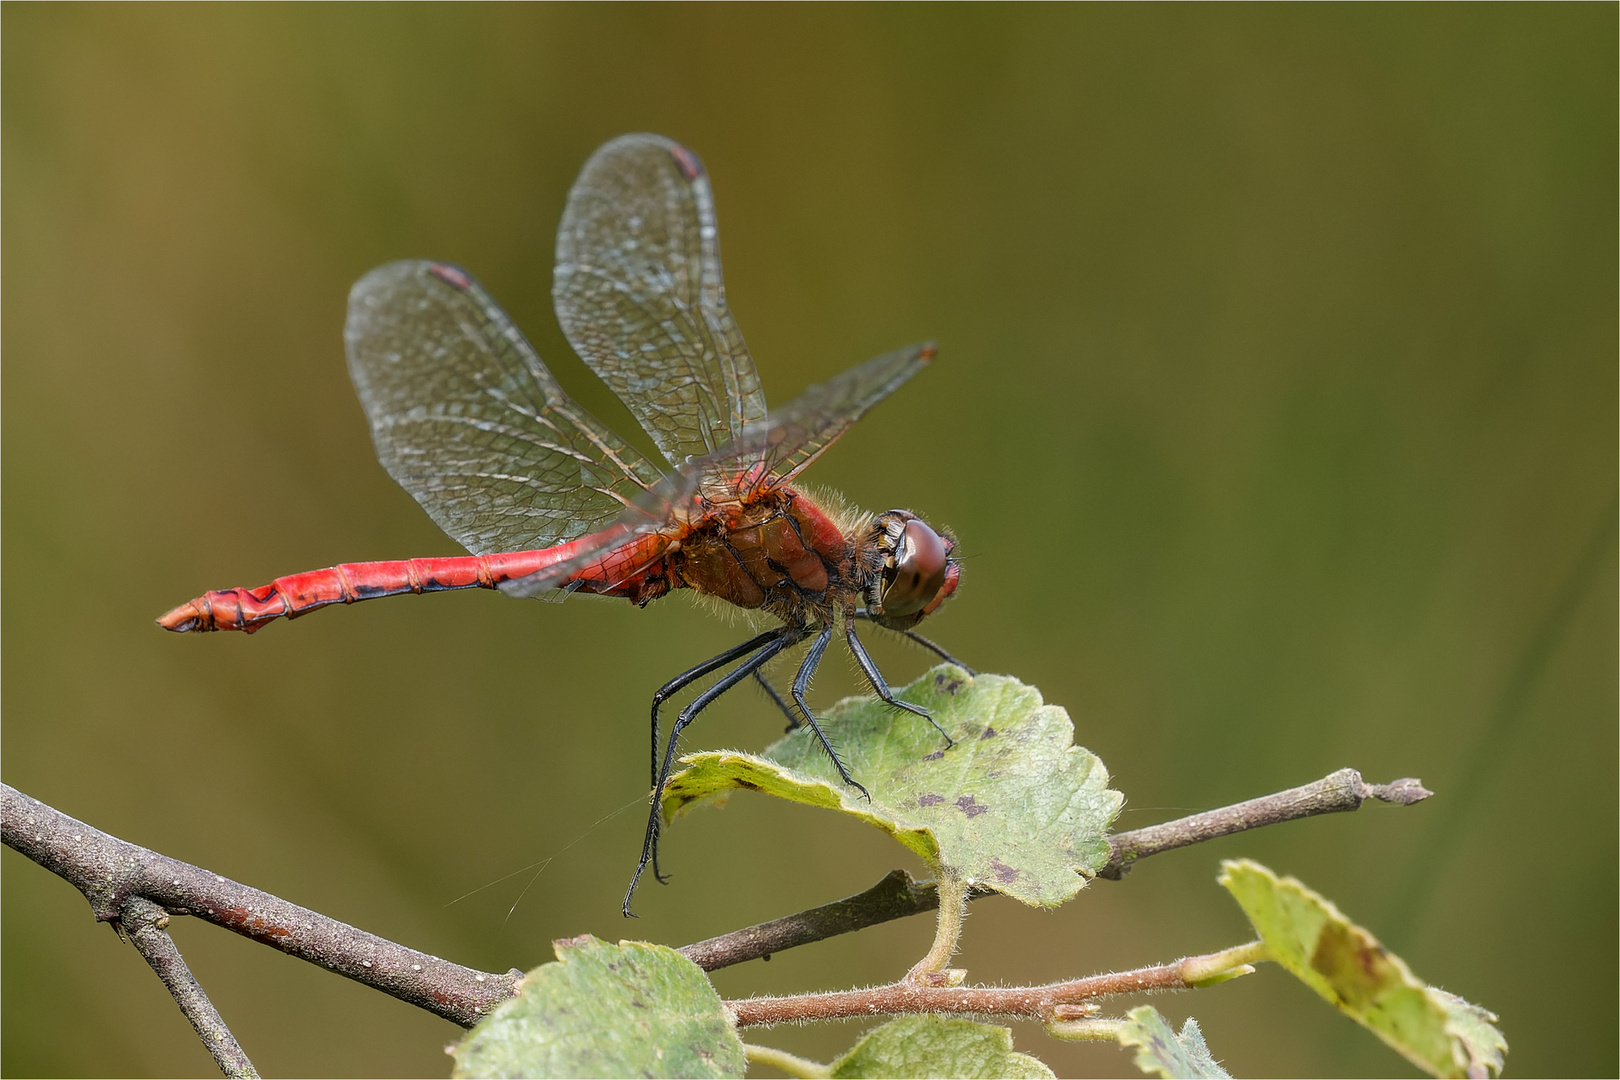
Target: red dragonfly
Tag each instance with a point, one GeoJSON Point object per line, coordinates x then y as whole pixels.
{"type": "Point", "coordinates": [469, 421]}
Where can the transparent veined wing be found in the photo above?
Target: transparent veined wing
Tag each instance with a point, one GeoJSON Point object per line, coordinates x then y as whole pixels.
{"type": "Point", "coordinates": [777, 450]}
{"type": "Point", "coordinates": [621, 549]}
{"type": "Point", "coordinates": [639, 294]}
{"type": "Point", "coordinates": [770, 453]}
{"type": "Point", "coordinates": [469, 421]}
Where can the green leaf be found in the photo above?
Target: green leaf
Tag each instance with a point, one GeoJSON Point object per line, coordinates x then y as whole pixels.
{"type": "Point", "coordinates": [1436, 1031]}
{"type": "Point", "coordinates": [1014, 805]}
{"type": "Point", "coordinates": [1160, 1050]}
{"type": "Point", "coordinates": [1475, 1028]}
{"type": "Point", "coordinates": [631, 1009]}
{"type": "Point", "coordinates": [924, 1046]}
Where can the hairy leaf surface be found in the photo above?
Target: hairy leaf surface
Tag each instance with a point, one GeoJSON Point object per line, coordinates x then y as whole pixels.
{"type": "Point", "coordinates": [926, 1046]}
{"type": "Point", "coordinates": [1160, 1050]}
{"type": "Point", "coordinates": [631, 1009]}
{"type": "Point", "coordinates": [1014, 805]}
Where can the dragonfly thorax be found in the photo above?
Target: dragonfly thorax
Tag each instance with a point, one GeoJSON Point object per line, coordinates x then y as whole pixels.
{"type": "Point", "coordinates": [788, 556]}
{"type": "Point", "coordinates": [780, 554]}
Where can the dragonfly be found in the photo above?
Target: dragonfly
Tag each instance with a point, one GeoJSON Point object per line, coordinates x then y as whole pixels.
{"type": "Point", "coordinates": [469, 421]}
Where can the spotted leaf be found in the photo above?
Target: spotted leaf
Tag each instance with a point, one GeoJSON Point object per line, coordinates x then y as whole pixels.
{"type": "Point", "coordinates": [1312, 939]}
{"type": "Point", "coordinates": [1014, 805]}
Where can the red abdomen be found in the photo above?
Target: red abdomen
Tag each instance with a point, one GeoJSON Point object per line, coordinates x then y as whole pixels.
{"type": "Point", "coordinates": [633, 569]}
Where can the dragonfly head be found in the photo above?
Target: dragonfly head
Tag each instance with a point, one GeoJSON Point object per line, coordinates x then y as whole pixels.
{"type": "Point", "coordinates": [918, 571]}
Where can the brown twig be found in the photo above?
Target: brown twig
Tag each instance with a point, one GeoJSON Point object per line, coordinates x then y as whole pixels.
{"type": "Point", "coordinates": [1045, 1004]}
{"type": "Point", "coordinates": [1333, 794]}
{"type": "Point", "coordinates": [898, 895]}
{"type": "Point", "coordinates": [895, 897]}
{"type": "Point", "coordinates": [109, 872]}
{"type": "Point", "coordinates": [145, 924]}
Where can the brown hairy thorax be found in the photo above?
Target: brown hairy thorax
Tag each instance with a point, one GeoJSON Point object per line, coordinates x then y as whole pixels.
{"type": "Point", "coordinates": [786, 556]}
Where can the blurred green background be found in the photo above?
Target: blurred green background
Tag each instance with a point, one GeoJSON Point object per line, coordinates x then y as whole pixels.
{"type": "Point", "coordinates": [1275, 408]}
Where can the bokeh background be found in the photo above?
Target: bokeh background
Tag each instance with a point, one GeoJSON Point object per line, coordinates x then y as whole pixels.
{"type": "Point", "coordinates": [1275, 408]}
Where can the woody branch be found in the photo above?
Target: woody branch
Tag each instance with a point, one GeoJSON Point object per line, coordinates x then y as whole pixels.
{"type": "Point", "coordinates": [111, 872]}
{"type": "Point", "coordinates": [1052, 1003]}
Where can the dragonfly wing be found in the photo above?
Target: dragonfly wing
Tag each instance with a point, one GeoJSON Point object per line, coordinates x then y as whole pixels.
{"type": "Point", "coordinates": [776, 451]}
{"type": "Point", "coordinates": [638, 291]}
{"type": "Point", "coordinates": [469, 421]}
{"type": "Point", "coordinates": [622, 549]}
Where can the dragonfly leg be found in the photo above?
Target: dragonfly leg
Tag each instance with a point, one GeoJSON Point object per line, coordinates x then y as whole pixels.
{"type": "Point", "coordinates": [801, 683]}
{"type": "Point", "coordinates": [675, 686]}
{"type": "Point", "coordinates": [774, 642]}
{"type": "Point", "coordinates": [927, 643]}
{"type": "Point", "coordinates": [685, 678]}
{"type": "Point", "coordinates": [781, 703]}
{"type": "Point", "coordinates": [875, 677]}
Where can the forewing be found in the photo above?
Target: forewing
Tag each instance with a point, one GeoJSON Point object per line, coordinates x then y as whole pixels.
{"type": "Point", "coordinates": [774, 452]}
{"type": "Point", "coordinates": [615, 553]}
{"type": "Point", "coordinates": [638, 291]}
{"type": "Point", "coordinates": [469, 421]}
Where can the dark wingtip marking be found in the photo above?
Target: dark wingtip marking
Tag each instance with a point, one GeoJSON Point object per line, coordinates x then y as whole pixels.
{"type": "Point", "coordinates": [691, 168]}
{"type": "Point", "coordinates": [451, 275]}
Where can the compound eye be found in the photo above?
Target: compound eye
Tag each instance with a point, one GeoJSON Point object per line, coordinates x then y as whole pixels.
{"type": "Point", "coordinates": [919, 571]}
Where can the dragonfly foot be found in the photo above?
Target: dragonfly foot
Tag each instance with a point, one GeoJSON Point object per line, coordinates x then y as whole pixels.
{"type": "Point", "coordinates": [852, 782]}
{"type": "Point", "coordinates": [918, 710]}
{"type": "Point", "coordinates": [631, 892]}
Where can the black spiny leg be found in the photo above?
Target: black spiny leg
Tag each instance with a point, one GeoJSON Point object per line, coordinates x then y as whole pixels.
{"type": "Point", "coordinates": [875, 677]}
{"type": "Point", "coordinates": [787, 710]}
{"type": "Point", "coordinates": [685, 678]}
{"type": "Point", "coordinates": [918, 639]}
{"type": "Point", "coordinates": [801, 683]}
{"type": "Point", "coordinates": [768, 644]}
{"type": "Point", "coordinates": [674, 686]}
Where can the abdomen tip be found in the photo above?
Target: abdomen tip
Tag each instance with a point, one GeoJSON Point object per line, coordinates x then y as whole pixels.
{"type": "Point", "coordinates": [183, 618]}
